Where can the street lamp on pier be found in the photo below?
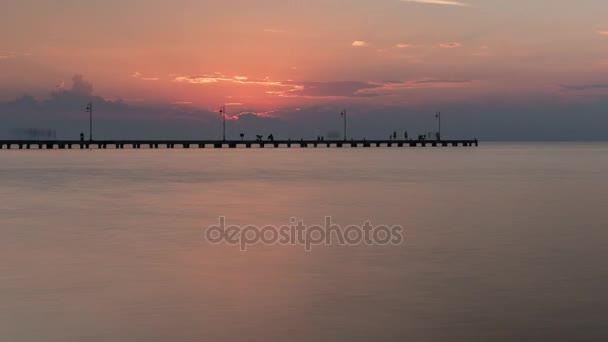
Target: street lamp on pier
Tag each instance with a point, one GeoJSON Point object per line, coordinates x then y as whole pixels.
{"type": "Point", "coordinates": [343, 114]}
{"type": "Point", "coordinates": [438, 116]}
{"type": "Point", "coordinates": [90, 111]}
{"type": "Point", "coordinates": [223, 113]}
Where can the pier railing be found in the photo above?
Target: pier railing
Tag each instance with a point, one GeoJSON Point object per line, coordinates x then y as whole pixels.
{"type": "Point", "coordinates": [172, 144]}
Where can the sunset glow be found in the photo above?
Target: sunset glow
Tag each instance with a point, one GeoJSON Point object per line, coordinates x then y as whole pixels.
{"type": "Point", "coordinates": [274, 55]}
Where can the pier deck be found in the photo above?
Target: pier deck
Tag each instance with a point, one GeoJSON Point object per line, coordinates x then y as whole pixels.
{"type": "Point", "coordinates": [172, 144]}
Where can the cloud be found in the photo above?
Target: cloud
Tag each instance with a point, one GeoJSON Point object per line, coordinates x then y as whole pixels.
{"type": "Point", "coordinates": [80, 86]}
{"type": "Point", "coordinates": [138, 75]}
{"type": "Point", "coordinates": [218, 78]}
{"type": "Point", "coordinates": [8, 56]}
{"type": "Point", "coordinates": [395, 87]}
{"type": "Point", "coordinates": [516, 119]}
{"type": "Point", "coordinates": [251, 114]}
{"type": "Point", "coordinates": [14, 55]}
{"type": "Point", "coordinates": [450, 45]}
{"type": "Point", "coordinates": [583, 87]}
{"type": "Point", "coordinates": [331, 89]}
{"type": "Point", "coordinates": [439, 2]}
{"type": "Point", "coordinates": [402, 46]}
{"type": "Point", "coordinates": [602, 33]}
{"type": "Point", "coordinates": [325, 90]}
{"type": "Point", "coordinates": [360, 43]}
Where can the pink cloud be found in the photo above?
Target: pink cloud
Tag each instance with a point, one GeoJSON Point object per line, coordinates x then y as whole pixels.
{"type": "Point", "coordinates": [439, 2]}
{"type": "Point", "coordinates": [360, 43]}
{"type": "Point", "coordinates": [450, 45]}
{"type": "Point", "coordinates": [138, 75]}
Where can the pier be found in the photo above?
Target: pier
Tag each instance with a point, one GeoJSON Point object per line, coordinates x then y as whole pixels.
{"type": "Point", "coordinates": [230, 144]}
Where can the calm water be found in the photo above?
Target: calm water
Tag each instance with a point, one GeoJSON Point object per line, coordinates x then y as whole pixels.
{"type": "Point", "coordinates": [502, 243]}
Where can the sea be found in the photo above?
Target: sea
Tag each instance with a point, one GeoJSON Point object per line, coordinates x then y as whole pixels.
{"type": "Point", "coordinates": [501, 242]}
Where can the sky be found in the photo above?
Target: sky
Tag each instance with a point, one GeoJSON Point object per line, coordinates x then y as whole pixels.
{"type": "Point", "coordinates": [496, 69]}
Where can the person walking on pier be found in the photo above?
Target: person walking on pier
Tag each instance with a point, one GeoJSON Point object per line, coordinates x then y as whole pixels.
{"type": "Point", "coordinates": [81, 137]}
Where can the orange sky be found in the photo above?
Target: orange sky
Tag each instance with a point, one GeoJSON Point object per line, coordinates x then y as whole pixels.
{"type": "Point", "coordinates": [273, 54]}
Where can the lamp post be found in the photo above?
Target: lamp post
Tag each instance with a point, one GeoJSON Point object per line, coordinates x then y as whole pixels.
{"type": "Point", "coordinates": [90, 111]}
{"type": "Point", "coordinates": [223, 112]}
{"type": "Point", "coordinates": [438, 116]}
{"type": "Point", "coordinates": [343, 114]}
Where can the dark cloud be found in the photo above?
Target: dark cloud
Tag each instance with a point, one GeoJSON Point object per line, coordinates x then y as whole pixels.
{"type": "Point", "coordinates": [332, 89]}
{"type": "Point", "coordinates": [80, 86]}
{"type": "Point", "coordinates": [488, 119]}
{"type": "Point", "coordinates": [427, 81]}
{"type": "Point", "coordinates": [583, 87]}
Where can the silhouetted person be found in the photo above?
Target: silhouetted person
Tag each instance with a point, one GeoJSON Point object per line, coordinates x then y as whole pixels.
{"type": "Point", "coordinates": [271, 137]}
{"type": "Point", "coordinates": [405, 135]}
{"type": "Point", "coordinates": [81, 136]}
{"type": "Point", "coordinates": [242, 136]}
{"type": "Point", "coordinates": [395, 135]}
{"type": "Point", "coordinates": [259, 137]}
